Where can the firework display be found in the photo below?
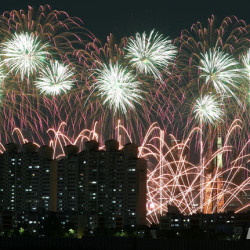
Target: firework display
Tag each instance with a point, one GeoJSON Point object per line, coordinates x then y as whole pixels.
{"type": "Point", "coordinates": [221, 70]}
{"type": "Point", "coordinates": [30, 41]}
{"type": "Point", "coordinates": [207, 109]}
{"type": "Point", "coordinates": [23, 54]}
{"type": "Point", "coordinates": [118, 87]}
{"type": "Point", "coordinates": [210, 62]}
{"type": "Point", "coordinates": [191, 92]}
{"type": "Point", "coordinates": [150, 54]}
{"type": "Point", "coordinates": [55, 78]}
{"type": "Point", "coordinates": [137, 100]}
{"type": "Point", "coordinates": [179, 182]}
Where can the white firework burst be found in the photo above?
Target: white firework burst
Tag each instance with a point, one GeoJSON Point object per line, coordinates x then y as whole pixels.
{"type": "Point", "coordinates": [117, 87]}
{"type": "Point", "coordinates": [246, 61]}
{"type": "Point", "coordinates": [222, 70]}
{"type": "Point", "coordinates": [208, 109]}
{"type": "Point", "coordinates": [55, 79]}
{"type": "Point", "coordinates": [150, 54]}
{"type": "Point", "coordinates": [24, 54]}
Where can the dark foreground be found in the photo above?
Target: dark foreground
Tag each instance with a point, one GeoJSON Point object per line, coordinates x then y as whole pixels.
{"type": "Point", "coordinates": [93, 243]}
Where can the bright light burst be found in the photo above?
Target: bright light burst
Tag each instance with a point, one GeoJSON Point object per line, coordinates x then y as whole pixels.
{"type": "Point", "coordinates": [118, 87]}
{"type": "Point", "coordinates": [55, 79]}
{"type": "Point", "coordinates": [222, 70]}
{"type": "Point", "coordinates": [246, 61]}
{"type": "Point", "coordinates": [150, 54]}
{"type": "Point", "coordinates": [24, 54]}
{"type": "Point", "coordinates": [208, 109]}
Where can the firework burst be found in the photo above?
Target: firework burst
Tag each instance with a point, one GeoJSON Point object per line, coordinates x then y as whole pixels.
{"type": "Point", "coordinates": [208, 109]}
{"type": "Point", "coordinates": [55, 79]}
{"type": "Point", "coordinates": [24, 54]}
{"type": "Point", "coordinates": [118, 87]}
{"type": "Point", "coordinates": [246, 62]}
{"type": "Point", "coordinates": [150, 54]}
{"type": "Point", "coordinates": [222, 70]}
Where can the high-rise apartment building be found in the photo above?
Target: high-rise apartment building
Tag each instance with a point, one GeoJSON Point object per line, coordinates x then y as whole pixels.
{"type": "Point", "coordinates": [93, 188]}
{"type": "Point", "coordinates": [25, 182]}
{"type": "Point", "coordinates": [103, 188]}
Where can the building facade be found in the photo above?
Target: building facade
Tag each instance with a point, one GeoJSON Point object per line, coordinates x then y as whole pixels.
{"type": "Point", "coordinates": [104, 189]}
{"type": "Point", "coordinates": [25, 183]}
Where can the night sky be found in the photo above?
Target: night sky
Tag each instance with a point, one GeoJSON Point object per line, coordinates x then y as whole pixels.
{"type": "Point", "coordinates": [124, 18]}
